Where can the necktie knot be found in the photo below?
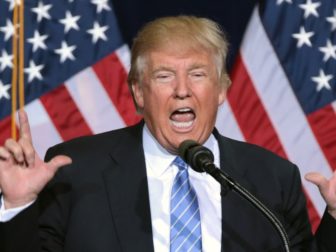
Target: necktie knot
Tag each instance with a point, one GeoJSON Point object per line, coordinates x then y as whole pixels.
{"type": "Point", "coordinates": [180, 164]}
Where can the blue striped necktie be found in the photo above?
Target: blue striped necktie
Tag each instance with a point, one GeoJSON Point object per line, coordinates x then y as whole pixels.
{"type": "Point", "coordinates": [185, 221]}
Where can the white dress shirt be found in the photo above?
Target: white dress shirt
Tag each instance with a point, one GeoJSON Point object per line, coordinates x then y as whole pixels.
{"type": "Point", "coordinates": [160, 174]}
{"type": "Point", "coordinates": [8, 214]}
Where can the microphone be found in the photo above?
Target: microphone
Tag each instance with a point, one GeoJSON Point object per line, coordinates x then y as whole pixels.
{"type": "Point", "coordinates": [196, 155]}
{"type": "Point", "coordinates": [201, 159]}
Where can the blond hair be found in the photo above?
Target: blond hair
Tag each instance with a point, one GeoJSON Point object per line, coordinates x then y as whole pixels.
{"type": "Point", "coordinates": [188, 31]}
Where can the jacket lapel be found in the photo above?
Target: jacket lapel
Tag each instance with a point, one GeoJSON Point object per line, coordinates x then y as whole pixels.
{"type": "Point", "coordinates": [233, 206]}
{"type": "Point", "coordinates": [127, 189]}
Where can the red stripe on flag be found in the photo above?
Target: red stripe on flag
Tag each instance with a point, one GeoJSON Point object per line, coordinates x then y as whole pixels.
{"type": "Point", "coordinates": [255, 123]}
{"type": "Point", "coordinates": [5, 129]}
{"type": "Point", "coordinates": [249, 111]}
{"type": "Point", "coordinates": [113, 76]}
{"type": "Point", "coordinates": [323, 124]}
{"type": "Point", "coordinates": [65, 114]}
{"type": "Point", "coordinates": [314, 218]}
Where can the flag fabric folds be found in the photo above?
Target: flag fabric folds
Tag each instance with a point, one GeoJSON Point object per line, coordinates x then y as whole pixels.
{"type": "Point", "coordinates": [75, 70]}
{"type": "Point", "coordinates": [282, 98]}
{"type": "Point", "coordinates": [284, 87]}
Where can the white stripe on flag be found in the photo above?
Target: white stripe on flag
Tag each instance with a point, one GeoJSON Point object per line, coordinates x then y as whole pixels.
{"type": "Point", "coordinates": [333, 104]}
{"type": "Point", "coordinates": [93, 102]}
{"type": "Point", "coordinates": [43, 131]}
{"type": "Point", "coordinates": [227, 124]}
{"type": "Point", "coordinates": [282, 106]}
{"type": "Point", "coordinates": [124, 56]}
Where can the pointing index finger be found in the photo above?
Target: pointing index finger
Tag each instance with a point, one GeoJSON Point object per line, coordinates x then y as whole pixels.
{"type": "Point", "coordinates": [24, 125]}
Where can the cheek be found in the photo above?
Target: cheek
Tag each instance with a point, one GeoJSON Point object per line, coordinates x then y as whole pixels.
{"type": "Point", "coordinates": [155, 101]}
{"type": "Point", "coordinates": [157, 94]}
{"type": "Point", "coordinates": [209, 100]}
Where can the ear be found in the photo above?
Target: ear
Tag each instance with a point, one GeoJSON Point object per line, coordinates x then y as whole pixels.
{"type": "Point", "coordinates": [138, 94]}
{"type": "Point", "coordinates": [221, 95]}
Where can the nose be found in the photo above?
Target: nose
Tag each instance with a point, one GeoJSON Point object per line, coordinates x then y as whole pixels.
{"type": "Point", "coordinates": [182, 88]}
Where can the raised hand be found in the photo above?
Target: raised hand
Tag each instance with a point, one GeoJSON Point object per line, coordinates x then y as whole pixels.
{"type": "Point", "coordinates": [23, 174]}
{"type": "Point", "coordinates": [327, 189]}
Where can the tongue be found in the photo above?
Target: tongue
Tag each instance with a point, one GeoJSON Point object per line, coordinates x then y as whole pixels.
{"type": "Point", "coordinates": [182, 117]}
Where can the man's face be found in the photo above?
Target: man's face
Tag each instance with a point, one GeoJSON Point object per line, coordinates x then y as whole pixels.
{"type": "Point", "coordinates": [179, 94]}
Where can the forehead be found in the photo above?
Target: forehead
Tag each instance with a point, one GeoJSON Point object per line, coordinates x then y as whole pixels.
{"type": "Point", "coordinates": [177, 56]}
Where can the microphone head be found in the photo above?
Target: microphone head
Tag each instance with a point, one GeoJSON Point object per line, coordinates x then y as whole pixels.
{"type": "Point", "coordinates": [184, 148]}
{"type": "Point", "coordinates": [195, 154]}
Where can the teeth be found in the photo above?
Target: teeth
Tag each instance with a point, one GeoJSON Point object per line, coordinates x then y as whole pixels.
{"type": "Point", "coordinates": [182, 124]}
{"type": "Point", "coordinates": [184, 110]}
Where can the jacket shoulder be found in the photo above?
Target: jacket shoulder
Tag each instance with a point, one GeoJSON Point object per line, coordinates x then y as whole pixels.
{"type": "Point", "coordinates": [101, 142]}
{"type": "Point", "coordinates": [249, 151]}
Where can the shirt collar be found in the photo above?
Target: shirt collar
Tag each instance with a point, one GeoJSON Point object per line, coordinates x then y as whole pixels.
{"type": "Point", "coordinates": [155, 154]}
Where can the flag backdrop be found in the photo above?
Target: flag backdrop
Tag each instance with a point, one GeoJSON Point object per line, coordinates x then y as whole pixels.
{"type": "Point", "coordinates": [284, 75]}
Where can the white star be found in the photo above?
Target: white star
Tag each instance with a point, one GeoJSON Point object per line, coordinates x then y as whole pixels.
{"type": "Point", "coordinates": [310, 8]}
{"type": "Point", "coordinates": [98, 32]}
{"type": "Point", "coordinates": [33, 71]}
{"type": "Point", "coordinates": [42, 11]}
{"type": "Point", "coordinates": [332, 20]}
{"type": "Point", "coordinates": [303, 37]}
{"type": "Point", "coordinates": [70, 22]}
{"type": "Point", "coordinates": [12, 3]}
{"type": "Point", "coordinates": [38, 41]}
{"type": "Point", "coordinates": [65, 52]}
{"type": "Point", "coordinates": [329, 51]}
{"type": "Point", "coordinates": [282, 1]}
{"type": "Point", "coordinates": [4, 90]}
{"type": "Point", "coordinates": [8, 29]}
{"type": "Point", "coordinates": [6, 60]}
{"type": "Point", "coordinates": [322, 80]}
{"type": "Point", "coordinates": [101, 5]}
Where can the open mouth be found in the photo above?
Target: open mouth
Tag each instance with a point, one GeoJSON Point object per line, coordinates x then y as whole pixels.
{"type": "Point", "coordinates": [183, 118]}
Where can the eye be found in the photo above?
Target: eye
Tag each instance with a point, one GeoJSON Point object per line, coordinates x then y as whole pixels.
{"type": "Point", "coordinates": [198, 74]}
{"type": "Point", "coordinates": [164, 77]}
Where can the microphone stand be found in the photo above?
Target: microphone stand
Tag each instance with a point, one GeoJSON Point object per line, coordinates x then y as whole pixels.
{"type": "Point", "coordinates": [228, 183]}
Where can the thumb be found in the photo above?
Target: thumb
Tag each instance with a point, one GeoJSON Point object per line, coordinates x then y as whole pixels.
{"type": "Point", "coordinates": [57, 162]}
{"type": "Point", "coordinates": [318, 179]}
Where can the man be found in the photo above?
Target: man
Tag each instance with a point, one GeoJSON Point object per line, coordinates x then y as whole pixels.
{"type": "Point", "coordinates": [121, 190]}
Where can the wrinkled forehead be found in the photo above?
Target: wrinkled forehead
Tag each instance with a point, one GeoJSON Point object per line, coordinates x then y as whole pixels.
{"type": "Point", "coordinates": [182, 44]}
{"type": "Point", "coordinates": [177, 49]}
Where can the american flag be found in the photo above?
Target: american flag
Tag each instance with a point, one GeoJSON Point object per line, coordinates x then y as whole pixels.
{"type": "Point", "coordinates": [76, 67]}
{"type": "Point", "coordinates": [284, 87]}
{"type": "Point", "coordinates": [282, 97]}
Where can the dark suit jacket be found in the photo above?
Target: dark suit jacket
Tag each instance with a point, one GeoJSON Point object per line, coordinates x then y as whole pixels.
{"type": "Point", "coordinates": [100, 202]}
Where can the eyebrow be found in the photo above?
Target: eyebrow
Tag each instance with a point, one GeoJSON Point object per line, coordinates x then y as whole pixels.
{"type": "Point", "coordinates": [163, 68]}
{"type": "Point", "coordinates": [169, 69]}
{"type": "Point", "coordinates": [196, 66]}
